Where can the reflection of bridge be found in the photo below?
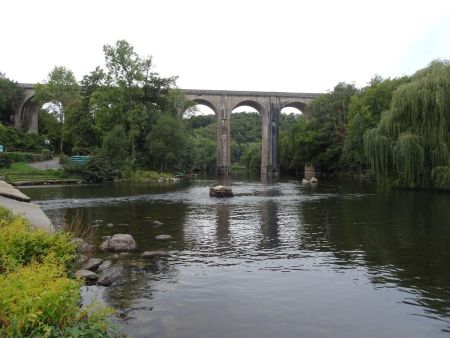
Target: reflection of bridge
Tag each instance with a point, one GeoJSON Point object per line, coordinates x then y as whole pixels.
{"type": "Point", "coordinates": [222, 102]}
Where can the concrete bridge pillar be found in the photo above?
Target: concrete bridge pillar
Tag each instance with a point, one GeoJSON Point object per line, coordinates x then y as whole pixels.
{"type": "Point", "coordinates": [269, 149]}
{"type": "Point", "coordinates": [223, 166]}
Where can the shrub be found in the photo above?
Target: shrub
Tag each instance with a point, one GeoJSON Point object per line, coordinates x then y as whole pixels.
{"type": "Point", "coordinates": [38, 298]}
{"type": "Point", "coordinates": [144, 176]}
{"type": "Point", "coordinates": [46, 154]}
{"type": "Point", "coordinates": [441, 178]}
{"type": "Point", "coordinates": [19, 246]}
{"type": "Point", "coordinates": [5, 162]}
{"type": "Point", "coordinates": [35, 298]}
{"type": "Point", "coordinates": [98, 170]}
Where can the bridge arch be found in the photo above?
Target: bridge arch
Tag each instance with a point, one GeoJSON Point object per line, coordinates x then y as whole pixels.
{"type": "Point", "coordinates": [26, 117]}
{"type": "Point", "coordinates": [207, 103]}
{"type": "Point", "coordinates": [250, 103]}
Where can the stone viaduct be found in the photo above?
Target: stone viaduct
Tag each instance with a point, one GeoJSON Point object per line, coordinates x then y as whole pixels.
{"type": "Point", "coordinates": [222, 102]}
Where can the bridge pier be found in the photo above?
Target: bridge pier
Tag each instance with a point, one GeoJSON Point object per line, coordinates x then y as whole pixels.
{"type": "Point", "coordinates": [223, 166]}
{"type": "Point", "coordinates": [269, 147]}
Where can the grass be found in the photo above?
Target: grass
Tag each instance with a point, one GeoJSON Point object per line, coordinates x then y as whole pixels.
{"type": "Point", "coordinates": [21, 171]}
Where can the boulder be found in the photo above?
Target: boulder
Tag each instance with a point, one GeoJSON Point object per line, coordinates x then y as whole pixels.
{"type": "Point", "coordinates": [8, 191]}
{"type": "Point", "coordinates": [92, 264]}
{"type": "Point", "coordinates": [114, 257]}
{"type": "Point", "coordinates": [105, 265]}
{"type": "Point", "coordinates": [163, 237]}
{"type": "Point", "coordinates": [158, 253]}
{"type": "Point", "coordinates": [89, 276]}
{"type": "Point", "coordinates": [157, 223]}
{"type": "Point", "coordinates": [109, 225]}
{"type": "Point", "coordinates": [81, 259]}
{"type": "Point", "coordinates": [110, 276]}
{"type": "Point", "coordinates": [313, 180]}
{"type": "Point", "coordinates": [305, 181]}
{"type": "Point", "coordinates": [82, 246]}
{"type": "Point", "coordinates": [220, 191]}
{"type": "Point", "coordinates": [30, 211]}
{"type": "Point", "coordinates": [118, 243]}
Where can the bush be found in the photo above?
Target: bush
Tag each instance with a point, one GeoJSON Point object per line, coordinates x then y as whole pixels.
{"type": "Point", "coordinates": [19, 246]}
{"type": "Point", "coordinates": [46, 154]}
{"type": "Point", "coordinates": [5, 162]}
{"type": "Point", "coordinates": [38, 298]}
{"type": "Point", "coordinates": [98, 170]}
{"type": "Point", "coordinates": [14, 157]}
{"type": "Point", "coordinates": [441, 178]}
{"type": "Point", "coordinates": [144, 176]}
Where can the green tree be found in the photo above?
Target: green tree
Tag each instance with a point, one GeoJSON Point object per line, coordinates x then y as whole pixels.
{"type": "Point", "coordinates": [166, 142]}
{"type": "Point", "coordinates": [319, 139]}
{"type": "Point", "coordinates": [410, 145]}
{"type": "Point", "coordinates": [60, 91]}
{"type": "Point", "coordinates": [81, 129]}
{"type": "Point", "coordinates": [10, 97]}
{"type": "Point", "coordinates": [139, 92]}
{"type": "Point", "coordinates": [115, 147]}
{"type": "Point", "coordinates": [365, 111]}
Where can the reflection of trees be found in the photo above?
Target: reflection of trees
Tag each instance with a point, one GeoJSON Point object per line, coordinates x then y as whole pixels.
{"type": "Point", "coordinates": [269, 226]}
{"type": "Point", "coordinates": [403, 238]}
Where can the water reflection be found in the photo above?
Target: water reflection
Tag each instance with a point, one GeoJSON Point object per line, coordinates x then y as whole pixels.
{"type": "Point", "coordinates": [332, 256]}
{"type": "Point", "coordinates": [223, 233]}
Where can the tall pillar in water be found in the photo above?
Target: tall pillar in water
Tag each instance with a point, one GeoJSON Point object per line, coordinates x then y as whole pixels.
{"type": "Point", "coordinates": [223, 166]}
{"type": "Point", "coordinates": [269, 148]}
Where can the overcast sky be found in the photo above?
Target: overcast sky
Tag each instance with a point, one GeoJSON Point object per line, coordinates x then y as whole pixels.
{"type": "Point", "coordinates": [298, 46]}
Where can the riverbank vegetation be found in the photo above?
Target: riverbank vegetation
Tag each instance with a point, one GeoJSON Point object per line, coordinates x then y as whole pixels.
{"type": "Point", "coordinates": [21, 173]}
{"type": "Point", "coordinates": [128, 117]}
{"type": "Point", "coordinates": [39, 297]}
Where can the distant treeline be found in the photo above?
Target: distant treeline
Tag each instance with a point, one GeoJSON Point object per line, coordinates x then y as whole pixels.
{"type": "Point", "coordinates": [396, 130]}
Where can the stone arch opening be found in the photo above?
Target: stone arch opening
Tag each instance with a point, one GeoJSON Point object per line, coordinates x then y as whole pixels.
{"type": "Point", "coordinates": [201, 120]}
{"type": "Point", "coordinates": [294, 107]}
{"type": "Point", "coordinates": [246, 135]}
{"type": "Point", "coordinates": [201, 107]}
{"type": "Point", "coordinates": [255, 106]}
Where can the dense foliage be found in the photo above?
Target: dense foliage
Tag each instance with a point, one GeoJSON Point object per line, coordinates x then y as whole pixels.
{"type": "Point", "coordinates": [410, 144]}
{"type": "Point", "coordinates": [38, 298]}
{"type": "Point", "coordinates": [10, 96]}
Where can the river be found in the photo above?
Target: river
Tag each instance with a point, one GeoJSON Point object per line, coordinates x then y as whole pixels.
{"type": "Point", "coordinates": [280, 259]}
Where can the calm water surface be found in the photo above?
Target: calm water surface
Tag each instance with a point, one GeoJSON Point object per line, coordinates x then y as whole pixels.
{"type": "Point", "coordinates": [278, 260]}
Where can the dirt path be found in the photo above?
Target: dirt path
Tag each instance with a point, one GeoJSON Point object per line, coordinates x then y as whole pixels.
{"type": "Point", "coordinates": [50, 164]}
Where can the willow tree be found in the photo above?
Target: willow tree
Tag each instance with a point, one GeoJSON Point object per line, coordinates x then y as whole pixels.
{"type": "Point", "coordinates": [410, 145]}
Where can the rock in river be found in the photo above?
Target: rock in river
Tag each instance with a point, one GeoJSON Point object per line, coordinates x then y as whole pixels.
{"type": "Point", "coordinates": [89, 276]}
{"type": "Point", "coordinates": [92, 264]}
{"type": "Point", "coordinates": [119, 242]}
{"type": "Point", "coordinates": [158, 253]}
{"type": "Point", "coordinates": [220, 191]}
{"type": "Point", "coordinates": [105, 265]}
{"type": "Point", "coordinates": [82, 246]}
{"type": "Point", "coordinates": [110, 275]}
{"type": "Point", "coordinates": [163, 237]}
